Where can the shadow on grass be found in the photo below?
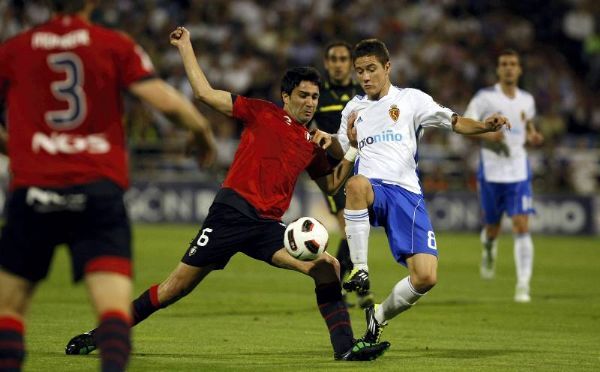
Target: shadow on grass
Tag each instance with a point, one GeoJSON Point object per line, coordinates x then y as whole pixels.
{"type": "Point", "coordinates": [468, 353]}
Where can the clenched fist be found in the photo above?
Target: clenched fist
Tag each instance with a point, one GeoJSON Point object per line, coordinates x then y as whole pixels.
{"type": "Point", "coordinates": [496, 122]}
{"type": "Point", "coordinates": [180, 37]}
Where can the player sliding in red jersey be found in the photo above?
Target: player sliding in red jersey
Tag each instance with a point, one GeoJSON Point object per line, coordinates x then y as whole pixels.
{"type": "Point", "coordinates": [62, 82]}
{"type": "Point", "coordinates": [245, 216]}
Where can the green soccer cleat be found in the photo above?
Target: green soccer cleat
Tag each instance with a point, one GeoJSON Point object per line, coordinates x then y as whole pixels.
{"type": "Point", "coordinates": [82, 344]}
{"type": "Point", "coordinates": [363, 351]}
{"type": "Point", "coordinates": [358, 281]}
{"type": "Point", "coordinates": [374, 328]}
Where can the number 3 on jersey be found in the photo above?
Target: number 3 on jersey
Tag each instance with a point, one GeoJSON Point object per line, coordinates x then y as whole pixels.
{"type": "Point", "coordinates": [69, 90]}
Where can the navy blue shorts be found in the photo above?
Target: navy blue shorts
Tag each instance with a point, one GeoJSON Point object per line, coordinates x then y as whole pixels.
{"type": "Point", "coordinates": [226, 231]}
{"type": "Point", "coordinates": [90, 219]}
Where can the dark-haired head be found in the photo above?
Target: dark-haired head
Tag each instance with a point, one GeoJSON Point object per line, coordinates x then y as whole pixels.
{"type": "Point", "coordinates": [509, 67]}
{"type": "Point", "coordinates": [338, 62]}
{"type": "Point", "coordinates": [300, 93]}
{"type": "Point", "coordinates": [337, 43]}
{"type": "Point", "coordinates": [294, 76]}
{"type": "Point", "coordinates": [371, 47]}
{"type": "Point", "coordinates": [371, 61]}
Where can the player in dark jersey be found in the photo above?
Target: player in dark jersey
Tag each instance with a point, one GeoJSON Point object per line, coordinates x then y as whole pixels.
{"type": "Point", "coordinates": [61, 82]}
{"type": "Point", "coordinates": [275, 148]}
{"type": "Point", "coordinates": [337, 90]}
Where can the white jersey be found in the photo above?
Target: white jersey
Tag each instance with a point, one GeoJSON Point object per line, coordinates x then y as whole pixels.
{"type": "Point", "coordinates": [388, 132]}
{"type": "Point", "coordinates": [511, 167]}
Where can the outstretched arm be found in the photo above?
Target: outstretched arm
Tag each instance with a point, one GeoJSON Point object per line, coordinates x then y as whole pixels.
{"type": "Point", "coordinates": [494, 123]}
{"type": "Point", "coordinates": [220, 100]}
{"type": "Point", "coordinates": [181, 111]}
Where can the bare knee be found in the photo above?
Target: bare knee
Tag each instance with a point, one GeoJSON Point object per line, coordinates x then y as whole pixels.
{"type": "Point", "coordinates": [520, 224]}
{"type": "Point", "coordinates": [357, 185]}
{"type": "Point", "coordinates": [325, 270]}
{"type": "Point", "coordinates": [359, 193]}
{"type": "Point", "coordinates": [423, 281]}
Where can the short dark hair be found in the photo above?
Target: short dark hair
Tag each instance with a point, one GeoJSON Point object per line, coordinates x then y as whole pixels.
{"type": "Point", "coordinates": [371, 47]}
{"type": "Point", "coordinates": [294, 76]}
{"type": "Point", "coordinates": [508, 52]}
{"type": "Point", "coordinates": [337, 43]}
{"type": "Point", "coordinates": [66, 6]}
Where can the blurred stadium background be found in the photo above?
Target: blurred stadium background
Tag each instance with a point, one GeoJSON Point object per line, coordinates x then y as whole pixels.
{"type": "Point", "coordinates": [444, 47]}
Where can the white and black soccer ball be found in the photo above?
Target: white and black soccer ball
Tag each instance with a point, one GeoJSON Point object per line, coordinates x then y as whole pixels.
{"type": "Point", "coordinates": [305, 238]}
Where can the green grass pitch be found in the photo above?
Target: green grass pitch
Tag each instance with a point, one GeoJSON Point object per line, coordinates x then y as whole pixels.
{"type": "Point", "coordinates": [253, 317]}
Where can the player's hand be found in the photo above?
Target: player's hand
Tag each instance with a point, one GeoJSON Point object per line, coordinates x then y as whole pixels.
{"type": "Point", "coordinates": [180, 37]}
{"type": "Point", "coordinates": [496, 122]}
{"type": "Point", "coordinates": [322, 139]}
{"type": "Point", "coordinates": [535, 138]}
{"type": "Point", "coordinates": [351, 129]}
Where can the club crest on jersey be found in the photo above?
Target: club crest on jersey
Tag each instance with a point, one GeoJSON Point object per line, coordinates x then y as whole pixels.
{"type": "Point", "coordinates": [307, 136]}
{"type": "Point", "coordinates": [394, 112]}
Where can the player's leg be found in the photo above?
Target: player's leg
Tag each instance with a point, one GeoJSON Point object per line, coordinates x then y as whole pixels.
{"type": "Point", "coordinates": [26, 251]}
{"type": "Point", "coordinates": [422, 278]}
{"type": "Point", "coordinates": [325, 273]}
{"type": "Point", "coordinates": [412, 242]}
{"type": "Point", "coordinates": [359, 197]}
{"type": "Point", "coordinates": [336, 206]}
{"type": "Point", "coordinates": [523, 253]}
{"type": "Point", "coordinates": [15, 295]}
{"type": "Point", "coordinates": [489, 252]}
{"type": "Point", "coordinates": [180, 282]}
{"type": "Point", "coordinates": [100, 246]}
{"type": "Point", "coordinates": [204, 254]}
{"type": "Point", "coordinates": [110, 294]}
{"type": "Point", "coordinates": [519, 206]}
{"type": "Point", "coordinates": [492, 199]}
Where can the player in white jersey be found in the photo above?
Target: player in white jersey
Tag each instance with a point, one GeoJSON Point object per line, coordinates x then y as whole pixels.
{"type": "Point", "coordinates": [385, 189]}
{"type": "Point", "coordinates": [504, 175]}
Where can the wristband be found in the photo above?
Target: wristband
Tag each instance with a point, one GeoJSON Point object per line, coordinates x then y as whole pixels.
{"type": "Point", "coordinates": [351, 154]}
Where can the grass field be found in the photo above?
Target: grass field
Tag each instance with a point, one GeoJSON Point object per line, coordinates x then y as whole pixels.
{"type": "Point", "coordinates": [254, 317]}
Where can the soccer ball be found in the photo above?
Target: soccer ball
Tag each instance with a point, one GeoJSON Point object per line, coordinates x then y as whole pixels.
{"type": "Point", "coordinates": [305, 238]}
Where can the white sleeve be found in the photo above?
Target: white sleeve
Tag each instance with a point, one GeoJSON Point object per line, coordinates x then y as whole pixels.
{"type": "Point", "coordinates": [531, 112]}
{"type": "Point", "coordinates": [429, 113]}
{"type": "Point", "coordinates": [342, 136]}
{"type": "Point", "coordinates": [474, 109]}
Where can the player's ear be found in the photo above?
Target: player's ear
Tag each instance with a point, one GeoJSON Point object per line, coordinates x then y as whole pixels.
{"type": "Point", "coordinates": [285, 98]}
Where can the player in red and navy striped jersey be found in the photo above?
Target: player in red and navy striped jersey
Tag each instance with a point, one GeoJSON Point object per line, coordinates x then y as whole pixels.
{"type": "Point", "coordinates": [62, 84]}
{"type": "Point", "coordinates": [245, 216]}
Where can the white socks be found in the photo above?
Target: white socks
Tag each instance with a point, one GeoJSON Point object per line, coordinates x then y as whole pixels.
{"type": "Point", "coordinates": [523, 252]}
{"type": "Point", "coordinates": [403, 296]}
{"type": "Point", "coordinates": [357, 233]}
